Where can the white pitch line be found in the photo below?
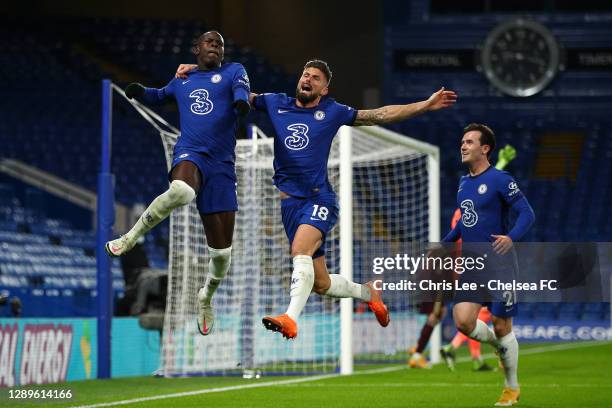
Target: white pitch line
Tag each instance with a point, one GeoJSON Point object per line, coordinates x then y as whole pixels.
{"type": "Point", "coordinates": [441, 384]}
{"type": "Point", "coordinates": [237, 387]}
{"type": "Point", "coordinates": [208, 391]}
{"type": "Point", "coordinates": [534, 350]}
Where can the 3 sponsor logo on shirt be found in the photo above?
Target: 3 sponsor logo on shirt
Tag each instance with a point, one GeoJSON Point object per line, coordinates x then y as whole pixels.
{"type": "Point", "coordinates": [299, 138]}
{"type": "Point", "coordinates": [202, 105]}
{"type": "Point", "coordinates": [469, 217]}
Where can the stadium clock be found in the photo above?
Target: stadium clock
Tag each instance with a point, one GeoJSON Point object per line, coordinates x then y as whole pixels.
{"type": "Point", "coordinates": [520, 57]}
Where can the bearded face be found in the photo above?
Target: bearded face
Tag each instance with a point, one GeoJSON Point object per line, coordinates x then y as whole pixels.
{"type": "Point", "coordinates": [311, 86]}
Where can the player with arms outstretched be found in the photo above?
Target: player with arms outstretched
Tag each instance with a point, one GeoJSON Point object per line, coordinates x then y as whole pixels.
{"type": "Point", "coordinates": [305, 127]}
{"type": "Point", "coordinates": [211, 100]}
{"type": "Point", "coordinates": [485, 196]}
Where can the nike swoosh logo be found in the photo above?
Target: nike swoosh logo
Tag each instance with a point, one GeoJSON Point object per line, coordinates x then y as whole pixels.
{"type": "Point", "coordinates": [184, 82]}
{"type": "Point", "coordinates": [282, 111]}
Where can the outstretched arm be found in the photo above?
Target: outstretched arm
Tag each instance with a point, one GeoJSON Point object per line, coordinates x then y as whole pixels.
{"type": "Point", "coordinates": [396, 113]}
{"type": "Point", "coordinates": [147, 95]}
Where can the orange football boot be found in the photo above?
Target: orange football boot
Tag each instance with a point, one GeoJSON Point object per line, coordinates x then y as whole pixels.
{"type": "Point", "coordinates": [377, 306]}
{"type": "Point", "coordinates": [282, 324]}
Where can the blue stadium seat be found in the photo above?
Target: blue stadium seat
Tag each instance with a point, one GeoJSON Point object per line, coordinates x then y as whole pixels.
{"type": "Point", "coordinates": [594, 311]}
{"type": "Point", "coordinates": [569, 311]}
{"type": "Point", "coordinates": [546, 311]}
{"type": "Point", "coordinates": [527, 310]}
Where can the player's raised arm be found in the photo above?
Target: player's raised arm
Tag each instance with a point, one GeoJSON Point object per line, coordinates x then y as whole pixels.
{"type": "Point", "coordinates": [148, 95]}
{"type": "Point", "coordinates": [259, 102]}
{"type": "Point", "coordinates": [396, 113]}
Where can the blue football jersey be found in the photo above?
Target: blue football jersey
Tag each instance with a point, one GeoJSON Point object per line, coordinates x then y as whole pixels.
{"type": "Point", "coordinates": [303, 140]}
{"type": "Point", "coordinates": [485, 201]}
{"type": "Point", "coordinates": [207, 117]}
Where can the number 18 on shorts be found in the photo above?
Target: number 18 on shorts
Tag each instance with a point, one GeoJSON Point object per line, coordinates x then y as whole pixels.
{"type": "Point", "coordinates": [320, 211]}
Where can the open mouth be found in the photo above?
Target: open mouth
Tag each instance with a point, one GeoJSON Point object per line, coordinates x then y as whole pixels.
{"type": "Point", "coordinates": [306, 88]}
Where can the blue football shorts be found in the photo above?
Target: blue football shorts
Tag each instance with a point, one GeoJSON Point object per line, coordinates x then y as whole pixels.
{"type": "Point", "coordinates": [320, 211]}
{"type": "Point", "coordinates": [218, 190]}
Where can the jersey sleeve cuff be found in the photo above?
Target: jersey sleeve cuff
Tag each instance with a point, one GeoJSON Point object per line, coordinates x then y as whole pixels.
{"type": "Point", "coordinates": [353, 117]}
{"type": "Point", "coordinates": [241, 93]}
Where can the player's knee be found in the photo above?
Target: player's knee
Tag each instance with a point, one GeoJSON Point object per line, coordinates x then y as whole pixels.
{"type": "Point", "coordinates": [300, 250]}
{"type": "Point", "coordinates": [304, 247]}
{"type": "Point", "coordinates": [180, 193]}
{"type": "Point", "coordinates": [501, 327]}
{"type": "Point", "coordinates": [321, 286]}
{"type": "Point", "coordinates": [465, 326]}
{"type": "Point", "coordinates": [220, 260]}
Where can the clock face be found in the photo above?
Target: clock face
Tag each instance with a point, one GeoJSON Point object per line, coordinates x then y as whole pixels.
{"type": "Point", "coordinates": [520, 57]}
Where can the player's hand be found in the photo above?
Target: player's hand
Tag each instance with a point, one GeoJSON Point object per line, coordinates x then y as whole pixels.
{"type": "Point", "coordinates": [134, 90]}
{"type": "Point", "coordinates": [441, 99]}
{"type": "Point", "coordinates": [183, 69]}
{"type": "Point", "coordinates": [502, 244]}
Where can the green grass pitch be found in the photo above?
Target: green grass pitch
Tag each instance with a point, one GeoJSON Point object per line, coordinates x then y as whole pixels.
{"type": "Point", "coordinates": [561, 375]}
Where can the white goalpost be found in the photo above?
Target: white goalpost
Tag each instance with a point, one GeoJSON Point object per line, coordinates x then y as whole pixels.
{"type": "Point", "coordinates": [388, 188]}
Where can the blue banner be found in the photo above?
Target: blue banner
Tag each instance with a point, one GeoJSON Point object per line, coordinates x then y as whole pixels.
{"type": "Point", "coordinates": [561, 330]}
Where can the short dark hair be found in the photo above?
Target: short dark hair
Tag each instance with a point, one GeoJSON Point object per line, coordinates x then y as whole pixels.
{"type": "Point", "coordinates": [321, 65]}
{"type": "Point", "coordinates": [487, 137]}
{"type": "Point", "coordinates": [195, 43]}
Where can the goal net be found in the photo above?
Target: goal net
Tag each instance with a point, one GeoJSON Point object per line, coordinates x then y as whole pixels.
{"type": "Point", "coordinates": [394, 201]}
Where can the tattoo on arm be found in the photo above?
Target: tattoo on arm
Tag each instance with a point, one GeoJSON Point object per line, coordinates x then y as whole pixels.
{"type": "Point", "coordinates": [371, 117]}
{"type": "Point", "coordinates": [389, 114]}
